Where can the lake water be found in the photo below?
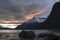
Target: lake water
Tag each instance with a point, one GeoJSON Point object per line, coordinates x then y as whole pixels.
{"type": "Point", "coordinates": [13, 34]}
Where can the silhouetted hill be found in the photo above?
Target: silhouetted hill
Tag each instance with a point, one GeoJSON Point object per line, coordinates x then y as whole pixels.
{"type": "Point", "coordinates": [27, 26]}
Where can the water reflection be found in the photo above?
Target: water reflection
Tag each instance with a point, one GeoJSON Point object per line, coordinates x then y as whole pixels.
{"type": "Point", "coordinates": [13, 34]}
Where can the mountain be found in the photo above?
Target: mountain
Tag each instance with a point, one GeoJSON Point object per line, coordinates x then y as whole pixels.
{"type": "Point", "coordinates": [52, 22]}
{"type": "Point", "coordinates": [37, 19]}
{"type": "Point", "coordinates": [31, 23]}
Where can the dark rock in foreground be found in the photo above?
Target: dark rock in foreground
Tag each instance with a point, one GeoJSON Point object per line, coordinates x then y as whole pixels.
{"type": "Point", "coordinates": [27, 35]}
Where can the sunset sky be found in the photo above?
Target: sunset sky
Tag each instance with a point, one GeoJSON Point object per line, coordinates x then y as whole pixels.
{"type": "Point", "coordinates": [23, 10]}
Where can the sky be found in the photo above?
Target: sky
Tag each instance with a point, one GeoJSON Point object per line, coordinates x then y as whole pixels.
{"type": "Point", "coordinates": [24, 10]}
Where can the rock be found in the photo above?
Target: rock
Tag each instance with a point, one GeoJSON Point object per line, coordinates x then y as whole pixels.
{"type": "Point", "coordinates": [49, 36]}
{"type": "Point", "coordinates": [27, 35]}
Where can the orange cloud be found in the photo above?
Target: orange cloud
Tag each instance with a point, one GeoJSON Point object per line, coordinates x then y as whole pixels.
{"type": "Point", "coordinates": [33, 13]}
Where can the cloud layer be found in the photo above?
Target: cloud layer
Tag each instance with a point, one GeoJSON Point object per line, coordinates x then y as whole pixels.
{"type": "Point", "coordinates": [22, 10]}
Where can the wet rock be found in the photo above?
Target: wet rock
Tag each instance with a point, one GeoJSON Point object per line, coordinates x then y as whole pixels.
{"type": "Point", "coordinates": [27, 35]}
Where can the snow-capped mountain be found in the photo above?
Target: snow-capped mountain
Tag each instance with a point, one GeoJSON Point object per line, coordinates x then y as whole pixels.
{"type": "Point", "coordinates": [37, 19]}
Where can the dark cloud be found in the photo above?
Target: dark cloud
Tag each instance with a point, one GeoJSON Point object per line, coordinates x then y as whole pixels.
{"type": "Point", "coordinates": [14, 9]}
{"type": "Point", "coordinates": [5, 3]}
